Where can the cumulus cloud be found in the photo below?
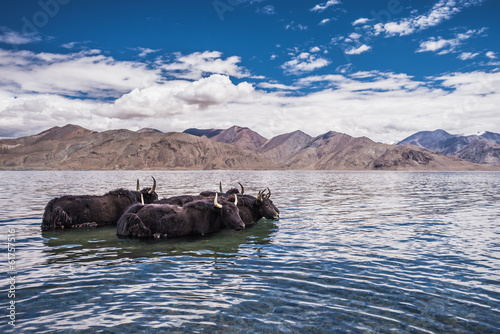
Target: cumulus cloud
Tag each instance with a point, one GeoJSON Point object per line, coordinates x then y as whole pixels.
{"type": "Point", "coordinates": [443, 10]}
{"type": "Point", "coordinates": [468, 55]}
{"type": "Point", "coordinates": [383, 106]}
{"type": "Point", "coordinates": [491, 55]}
{"type": "Point", "coordinates": [359, 50]}
{"type": "Point", "coordinates": [143, 52]}
{"type": "Point", "coordinates": [360, 21]}
{"type": "Point", "coordinates": [216, 89]}
{"type": "Point", "coordinates": [198, 64]}
{"type": "Point", "coordinates": [304, 62]}
{"type": "Point", "coordinates": [12, 37]}
{"type": "Point", "coordinates": [87, 73]}
{"type": "Point", "coordinates": [438, 44]}
{"type": "Point", "coordinates": [322, 6]}
{"type": "Point", "coordinates": [444, 46]}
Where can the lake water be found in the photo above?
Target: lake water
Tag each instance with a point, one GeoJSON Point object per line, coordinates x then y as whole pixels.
{"type": "Point", "coordinates": [353, 252]}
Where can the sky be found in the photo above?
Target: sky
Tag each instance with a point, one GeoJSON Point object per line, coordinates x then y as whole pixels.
{"type": "Point", "coordinates": [383, 69]}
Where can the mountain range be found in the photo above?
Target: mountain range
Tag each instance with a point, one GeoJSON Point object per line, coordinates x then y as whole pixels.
{"type": "Point", "coordinates": [75, 148]}
{"type": "Point", "coordinates": [483, 149]}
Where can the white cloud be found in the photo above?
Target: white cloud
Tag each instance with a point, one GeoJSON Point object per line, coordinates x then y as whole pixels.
{"type": "Point", "coordinates": [360, 21]}
{"type": "Point", "coordinates": [383, 106]}
{"type": "Point", "coordinates": [268, 10]}
{"type": "Point", "coordinates": [277, 86]}
{"type": "Point", "coordinates": [195, 65]}
{"type": "Point", "coordinates": [294, 26]}
{"type": "Point", "coordinates": [467, 55]}
{"type": "Point", "coordinates": [216, 89]}
{"type": "Point", "coordinates": [9, 36]}
{"type": "Point", "coordinates": [354, 36]}
{"type": "Point", "coordinates": [443, 10]}
{"type": "Point", "coordinates": [444, 46]}
{"type": "Point", "coordinates": [86, 73]}
{"type": "Point", "coordinates": [491, 55]}
{"type": "Point", "coordinates": [358, 50]}
{"type": "Point", "coordinates": [438, 44]}
{"type": "Point", "coordinates": [321, 7]}
{"type": "Point", "coordinates": [304, 62]}
{"type": "Point", "coordinates": [145, 51]}
{"type": "Point", "coordinates": [324, 21]}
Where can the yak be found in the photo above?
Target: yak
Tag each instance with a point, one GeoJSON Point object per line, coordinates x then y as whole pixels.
{"type": "Point", "coordinates": [198, 217]}
{"type": "Point", "coordinates": [251, 208]}
{"type": "Point", "coordinates": [91, 211]}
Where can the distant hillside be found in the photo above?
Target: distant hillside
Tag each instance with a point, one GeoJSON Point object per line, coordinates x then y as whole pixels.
{"type": "Point", "coordinates": [75, 148]}
{"type": "Point", "coordinates": [483, 149]}
{"type": "Point", "coordinates": [426, 139]}
{"type": "Point", "coordinates": [241, 137]}
{"type": "Point", "coordinates": [71, 147]}
{"type": "Point", "coordinates": [284, 146]}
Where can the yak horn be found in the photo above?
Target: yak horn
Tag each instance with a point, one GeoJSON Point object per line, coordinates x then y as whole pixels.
{"type": "Point", "coordinates": [215, 202]}
{"type": "Point", "coordinates": [154, 186]}
{"type": "Point", "coordinates": [138, 188]}
{"type": "Point", "coordinates": [142, 199]}
{"type": "Point", "coordinates": [235, 200]}
{"type": "Point", "coordinates": [242, 189]}
{"type": "Point", "coordinates": [259, 195]}
{"type": "Point", "coordinates": [220, 186]}
{"type": "Point", "coordinates": [269, 193]}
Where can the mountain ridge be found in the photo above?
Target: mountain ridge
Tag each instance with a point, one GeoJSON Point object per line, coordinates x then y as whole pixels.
{"type": "Point", "coordinates": [74, 147]}
{"type": "Point", "coordinates": [483, 148]}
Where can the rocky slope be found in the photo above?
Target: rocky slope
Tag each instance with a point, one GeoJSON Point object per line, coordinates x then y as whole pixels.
{"type": "Point", "coordinates": [73, 147]}
{"type": "Point", "coordinates": [483, 149]}
{"type": "Point", "coordinates": [241, 137]}
{"type": "Point", "coordinates": [284, 146]}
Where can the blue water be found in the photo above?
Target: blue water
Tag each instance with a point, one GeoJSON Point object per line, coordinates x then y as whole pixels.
{"type": "Point", "coordinates": [353, 252]}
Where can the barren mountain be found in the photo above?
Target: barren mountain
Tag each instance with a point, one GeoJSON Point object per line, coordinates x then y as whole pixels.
{"type": "Point", "coordinates": [241, 137]}
{"type": "Point", "coordinates": [483, 149]}
{"type": "Point", "coordinates": [427, 139]}
{"type": "Point", "coordinates": [73, 147]}
{"type": "Point", "coordinates": [283, 146]}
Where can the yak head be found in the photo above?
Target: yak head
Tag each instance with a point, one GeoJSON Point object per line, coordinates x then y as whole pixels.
{"type": "Point", "coordinates": [230, 215]}
{"type": "Point", "coordinates": [148, 195]}
{"type": "Point", "coordinates": [265, 206]}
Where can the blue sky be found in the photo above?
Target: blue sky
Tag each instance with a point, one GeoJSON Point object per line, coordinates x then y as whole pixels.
{"type": "Point", "coordinates": [381, 69]}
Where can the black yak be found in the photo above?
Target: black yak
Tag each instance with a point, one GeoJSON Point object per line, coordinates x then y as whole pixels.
{"type": "Point", "coordinates": [251, 208]}
{"type": "Point", "coordinates": [254, 208]}
{"type": "Point", "coordinates": [92, 211]}
{"type": "Point", "coordinates": [198, 217]}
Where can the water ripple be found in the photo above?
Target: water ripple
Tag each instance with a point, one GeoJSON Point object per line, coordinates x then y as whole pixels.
{"type": "Point", "coordinates": [353, 252]}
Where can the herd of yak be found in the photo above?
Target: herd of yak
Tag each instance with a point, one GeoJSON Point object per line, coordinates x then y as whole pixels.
{"type": "Point", "coordinates": [141, 214]}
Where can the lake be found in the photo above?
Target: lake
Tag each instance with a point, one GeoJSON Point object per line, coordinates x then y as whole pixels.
{"type": "Point", "coordinates": [352, 252]}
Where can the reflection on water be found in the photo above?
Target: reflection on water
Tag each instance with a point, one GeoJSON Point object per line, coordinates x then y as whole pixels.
{"type": "Point", "coordinates": [352, 252]}
{"type": "Point", "coordinates": [91, 244]}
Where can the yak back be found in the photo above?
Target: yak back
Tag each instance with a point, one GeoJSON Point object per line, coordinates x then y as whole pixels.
{"type": "Point", "coordinates": [134, 196]}
{"type": "Point", "coordinates": [167, 220]}
{"type": "Point", "coordinates": [71, 210]}
{"type": "Point", "coordinates": [179, 200]}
